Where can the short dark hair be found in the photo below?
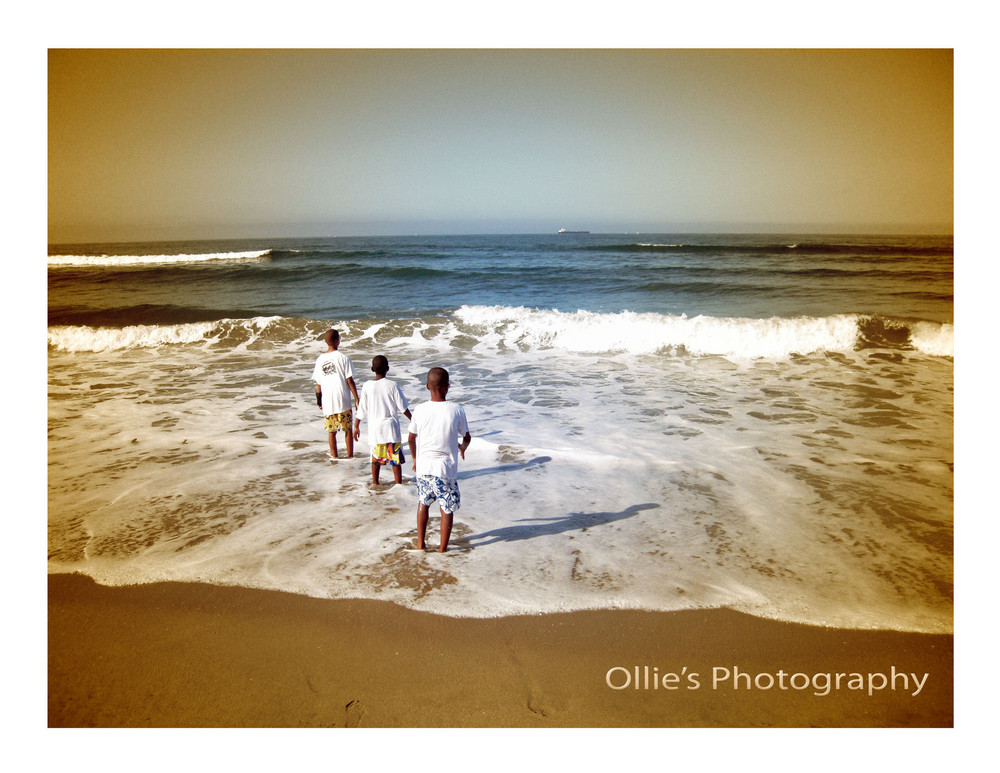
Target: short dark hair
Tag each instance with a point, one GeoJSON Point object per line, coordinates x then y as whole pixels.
{"type": "Point", "coordinates": [438, 377]}
{"type": "Point", "coordinates": [380, 364]}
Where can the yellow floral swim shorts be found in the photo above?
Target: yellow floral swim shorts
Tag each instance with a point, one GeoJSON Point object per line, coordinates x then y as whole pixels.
{"type": "Point", "coordinates": [338, 421]}
{"type": "Point", "coordinates": [388, 453]}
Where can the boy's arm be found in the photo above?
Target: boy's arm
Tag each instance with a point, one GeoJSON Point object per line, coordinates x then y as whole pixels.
{"type": "Point", "coordinates": [463, 422]}
{"type": "Point", "coordinates": [319, 396]}
{"type": "Point", "coordinates": [413, 450]}
{"type": "Point", "coordinates": [360, 413]}
{"type": "Point", "coordinates": [354, 390]}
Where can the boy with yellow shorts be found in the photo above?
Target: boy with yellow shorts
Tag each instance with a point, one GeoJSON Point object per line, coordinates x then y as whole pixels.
{"type": "Point", "coordinates": [382, 402]}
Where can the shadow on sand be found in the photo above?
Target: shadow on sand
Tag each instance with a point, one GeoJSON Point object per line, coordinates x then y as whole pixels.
{"type": "Point", "coordinates": [541, 527]}
{"type": "Point", "coordinates": [505, 468]}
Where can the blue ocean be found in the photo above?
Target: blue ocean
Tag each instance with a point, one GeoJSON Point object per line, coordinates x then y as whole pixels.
{"type": "Point", "coordinates": [660, 421]}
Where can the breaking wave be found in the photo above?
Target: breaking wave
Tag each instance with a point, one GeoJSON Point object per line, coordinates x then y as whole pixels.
{"type": "Point", "coordinates": [117, 261]}
{"type": "Point", "coordinates": [534, 329]}
{"type": "Point", "coordinates": [741, 338]}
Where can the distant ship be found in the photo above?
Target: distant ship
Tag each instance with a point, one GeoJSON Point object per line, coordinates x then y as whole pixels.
{"type": "Point", "coordinates": [564, 231]}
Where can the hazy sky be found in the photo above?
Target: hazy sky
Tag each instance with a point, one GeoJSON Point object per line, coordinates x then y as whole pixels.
{"type": "Point", "coordinates": [246, 143]}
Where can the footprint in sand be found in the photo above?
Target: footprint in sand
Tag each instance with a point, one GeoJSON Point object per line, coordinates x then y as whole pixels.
{"type": "Point", "coordinates": [354, 713]}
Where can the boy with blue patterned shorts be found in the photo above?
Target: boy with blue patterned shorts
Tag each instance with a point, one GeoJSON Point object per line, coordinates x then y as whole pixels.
{"type": "Point", "coordinates": [435, 430]}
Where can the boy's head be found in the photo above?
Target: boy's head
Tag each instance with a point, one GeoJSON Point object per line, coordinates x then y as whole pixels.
{"type": "Point", "coordinates": [332, 337]}
{"type": "Point", "coordinates": [380, 365]}
{"type": "Point", "coordinates": [437, 379]}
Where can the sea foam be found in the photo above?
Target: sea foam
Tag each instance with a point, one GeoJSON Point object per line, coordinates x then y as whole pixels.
{"type": "Point", "coordinates": [646, 333]}
{"type": "Point", "coordinates": [138, 260]}
{"type": "Point", "coordinates": [82, 338]}
{"type": "Point", "coordinates": [595, 480]}
{"type": "Point", "coordinates": [526, 329]}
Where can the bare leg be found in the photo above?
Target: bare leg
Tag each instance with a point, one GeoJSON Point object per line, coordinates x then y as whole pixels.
{"type": "Point", "coordinates": [375, 469]}
{"type": "Point", "coordinates": [422, 516]}
{"type": "Point", "coordinates": [446, 519]}
{"type": "Point", "coordinates": [333, 444]}
{"type": "Point", "coordinates": [349, 439]}
{"type": "Point", "coordinates": [397, 474]}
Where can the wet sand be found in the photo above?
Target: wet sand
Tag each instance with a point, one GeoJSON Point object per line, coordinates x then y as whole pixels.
{"type": "Point", "coordinates": [190, 655]}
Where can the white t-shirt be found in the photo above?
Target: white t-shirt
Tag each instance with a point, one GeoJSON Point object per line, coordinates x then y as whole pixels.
{"type": "Point", "coordinates": [439, 426]}
{"type": "Point", "coordinates": [331, 372]}
{"type": "Point", "coordinates": [381, 402]}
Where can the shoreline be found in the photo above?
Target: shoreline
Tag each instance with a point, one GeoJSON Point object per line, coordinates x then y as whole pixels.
{"type": "Point", "coordinates": [194, 655]}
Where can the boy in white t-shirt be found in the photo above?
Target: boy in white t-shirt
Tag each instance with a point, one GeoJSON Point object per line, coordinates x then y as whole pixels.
{"type": "Point", "coordinates": [434, 432]}
{"type": "Point", "coordinates": [334, 377]}
{"type": "Point", "coordinates": [381, 403]}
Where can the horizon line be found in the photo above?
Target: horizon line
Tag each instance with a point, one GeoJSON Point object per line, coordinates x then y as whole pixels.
{"type": "Point", "coordinates": [427, 234]}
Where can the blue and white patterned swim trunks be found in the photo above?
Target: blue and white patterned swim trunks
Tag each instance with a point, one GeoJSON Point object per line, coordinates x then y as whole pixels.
{"type": "Point", "coordinates": [431, 487]}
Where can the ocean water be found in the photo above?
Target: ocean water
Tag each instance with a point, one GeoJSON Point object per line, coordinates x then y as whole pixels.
{"type": "Point", "coordinates": [659, 421]}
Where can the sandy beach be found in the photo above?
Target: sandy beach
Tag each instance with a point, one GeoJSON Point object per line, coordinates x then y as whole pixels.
{"type": "Point", "coordinates": [191, 655]}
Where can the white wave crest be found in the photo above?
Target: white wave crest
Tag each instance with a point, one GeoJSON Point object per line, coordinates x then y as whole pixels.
{"type": "Point", "coordinates": [80, 338]}
{"type": "Point", "coordinates": [137, 260]}
{"type": "Point", "coordinates": [531, 330]}
{"type": "Point", "coordinates": [584, 331]}
{"type": "Point", "coordinates": [934, 339]}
